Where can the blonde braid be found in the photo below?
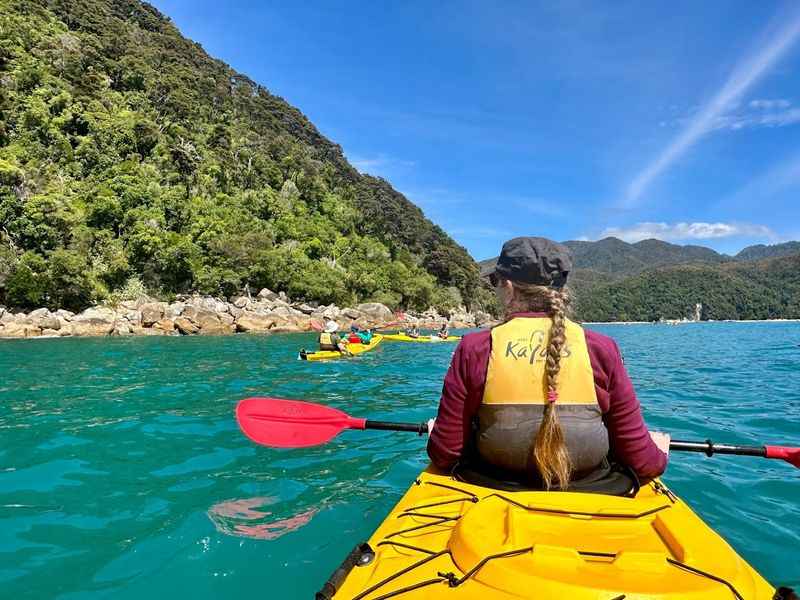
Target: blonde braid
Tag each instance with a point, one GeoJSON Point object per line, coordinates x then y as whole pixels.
{"type": "Point", "coordinates": [549, 450]}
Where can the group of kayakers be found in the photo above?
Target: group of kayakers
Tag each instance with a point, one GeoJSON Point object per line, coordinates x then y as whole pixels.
{"type": "Point", "coordinates": [330, 339]}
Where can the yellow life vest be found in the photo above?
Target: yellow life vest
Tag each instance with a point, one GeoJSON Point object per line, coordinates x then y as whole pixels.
{"type": "Point", "coordinates": [515, 395]}
{"type": "Point", "coordinates": [516, 373]}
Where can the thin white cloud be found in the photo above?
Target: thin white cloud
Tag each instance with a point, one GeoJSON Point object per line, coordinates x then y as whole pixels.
{"type": "Point", "coordinates": [766, 104]}
{"type": "Point", "coordinates": [747, 72]}
{"type": "Point", "coordinates": [686, 231]}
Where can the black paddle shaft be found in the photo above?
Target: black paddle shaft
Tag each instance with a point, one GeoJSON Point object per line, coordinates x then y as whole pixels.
{"type": "Point", "coordinates": [419, 428]}
{"type": "Point", "coordinates": [709, 448]}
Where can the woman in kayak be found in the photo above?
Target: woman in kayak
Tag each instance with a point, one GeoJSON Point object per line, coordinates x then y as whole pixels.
{"type": "Point", "coordinates": [538, 399]}
{"type": "Point", "coordinates": [444, 332]}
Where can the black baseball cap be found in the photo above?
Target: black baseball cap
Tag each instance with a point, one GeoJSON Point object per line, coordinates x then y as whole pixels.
{"type": "Point", "coordinates": [534, 260]}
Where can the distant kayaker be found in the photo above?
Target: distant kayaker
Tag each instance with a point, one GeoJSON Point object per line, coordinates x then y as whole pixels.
{"type": "Point", "coordinates": [365, 336]}
{"type": "Point", "coordinates": [444, 332]}
{"type": "Point", "coordinates": [414, 333]}
{"type": "Point", "coordinates": [538, 399]}
{"type": "Point", "coordinates": [354, 337]}
{"type": "Point", "coordinates": [330, 340]}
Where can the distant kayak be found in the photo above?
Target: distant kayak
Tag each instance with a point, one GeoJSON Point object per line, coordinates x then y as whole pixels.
{"type": "Point", "coordinates": [333, 354]}
{"type": "Point", "coordinates": [401, 337]}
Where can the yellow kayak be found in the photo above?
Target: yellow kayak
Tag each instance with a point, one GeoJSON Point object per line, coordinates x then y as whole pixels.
{"type": "Point", "coordinates": [353, 348]}
{"type": "Point", "coordinates": [447, 539]}
{"type": "Point", "coordinates": [401, 337]}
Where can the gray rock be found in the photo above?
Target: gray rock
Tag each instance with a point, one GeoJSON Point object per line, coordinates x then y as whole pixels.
{"type": "Point", "coordinates": [38, 313]}
{"type": "Point", "coordinates": [152, 312]}
{"type": "Point", "coordinates": [50, 333]}
{"type": "Point", "coordinates": [352, 313]}
{"type": "Point", "coordinates": [226, 319]}
{"type": "Point", "coordinates": [240, 301]}
{"type": "Point", "coordinates": [7, 317]}
{"type": "Point", "coordinates": [65, 315]}
{"type": "Point", "coordinates": [376, 311]}
{"type": "Point", "coordinates": [283, 312]}
{"type": "Point", "coordinates": [332, 312]}
{"type": "Point", "coordinates": [283, 296]}
{"type": "Point", "coordinates": [44, 321]}
{"type": "Point", "coordinates": [235, 312]}
{"type": "Point", "coordinates": [174, 310]}
{"type": "Point", "coordinates": [122, 328]}
{"type": "Point", "coordinates": [266, 294]}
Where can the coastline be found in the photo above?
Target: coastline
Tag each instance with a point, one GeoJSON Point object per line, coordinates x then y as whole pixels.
{"type": "Point", "coordinates": [690, 322]}
{"type": "Point", "coordinates": [267, 312]}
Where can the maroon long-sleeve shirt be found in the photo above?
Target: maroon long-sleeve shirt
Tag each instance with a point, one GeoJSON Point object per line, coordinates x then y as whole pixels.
{"type": "Point", "coordinates": [462, 394]}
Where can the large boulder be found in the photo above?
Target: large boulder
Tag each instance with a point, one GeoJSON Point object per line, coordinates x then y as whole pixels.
{"type": "Point", "coordinates": [19, 329]}
{"type": "Point", "coordinates": [7, 317]}
{"type": "Point", "coordinates": [166, 325]}
{"type": "Point", "coordinates": [65, 315]}
{"type": "Point", "coordinates": [90, 326]}
{"type": "Point", "coordinates": [240, 301]}
{"type": "Point", "coordinates": [174, 310]}
{"type": "Point", "coordinates": [266, 294]}
{"type": "Point", "coordinates": [331, 312]}
{"type": "Point", "coordinates": [43, 319]}
{"type": "Point", "coordinates": [352, 313]}
{"type": "Point", "coordinates": [306, 309]}
{"type": "Point", "coordinates": [186, 326]}
{"type": "Point", "coordinates": [376, 311]}
{"type": "Point", "coordinates": [48, 322]}
{"type": "Point", "coordinates": [206, 319]}
{"type": "Point", "coordinates": [254, 322]}
{"type": "Point", "coordinates": [152, 313]}
{"type": "Point", "coordinates": [97, 312]}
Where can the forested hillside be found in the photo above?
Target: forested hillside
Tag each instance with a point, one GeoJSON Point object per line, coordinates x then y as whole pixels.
{"type": "Point", "coordinates": [130, 160]}
{"type": "Point", "coordinates": [765, 289]}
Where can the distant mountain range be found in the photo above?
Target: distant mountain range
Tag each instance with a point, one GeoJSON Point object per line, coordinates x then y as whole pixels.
{"type": "Point", "coordinates": [649, 280]}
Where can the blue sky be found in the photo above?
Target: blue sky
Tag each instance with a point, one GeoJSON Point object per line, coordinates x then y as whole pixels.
{"type": "Point", "coordinates": [570, 120]}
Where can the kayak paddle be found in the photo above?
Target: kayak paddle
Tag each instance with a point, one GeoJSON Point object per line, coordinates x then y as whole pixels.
{"type": "Point", "coordinates": [297, 424]}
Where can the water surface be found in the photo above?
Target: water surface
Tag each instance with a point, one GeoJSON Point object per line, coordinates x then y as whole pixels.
{"type": "Point", "coordinates": [123, 473]}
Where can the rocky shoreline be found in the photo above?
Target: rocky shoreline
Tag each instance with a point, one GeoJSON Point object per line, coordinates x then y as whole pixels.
{"type": "Point", "coordinates": [268, 312]}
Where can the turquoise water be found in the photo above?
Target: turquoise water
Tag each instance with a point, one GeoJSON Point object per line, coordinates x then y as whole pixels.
{"type": "Point", "coordinates": [123, 473]}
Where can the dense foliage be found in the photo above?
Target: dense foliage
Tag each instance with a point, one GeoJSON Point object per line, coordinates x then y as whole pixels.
{"type": "Point", "coordinates": [741, 290]}
{"type": "Point", "coordinates": [129, 156]}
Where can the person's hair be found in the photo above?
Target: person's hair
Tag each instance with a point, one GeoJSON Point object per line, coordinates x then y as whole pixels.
{"type": "Point", "coordinates": [550, 453]}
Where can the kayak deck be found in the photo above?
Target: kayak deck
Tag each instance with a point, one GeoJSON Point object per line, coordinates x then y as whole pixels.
{"type": "Point", "coordinates": [353, 348]}
{"type": "Point", "coordinates": [400, 337]}
{"type": "Point", "coordinates": [449, 539]}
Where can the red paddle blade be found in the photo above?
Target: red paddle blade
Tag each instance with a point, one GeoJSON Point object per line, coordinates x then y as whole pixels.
{"type": "Point", "coordinates": [790, 455]}
{"type": "Point", "coordinates": [291, 423]}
